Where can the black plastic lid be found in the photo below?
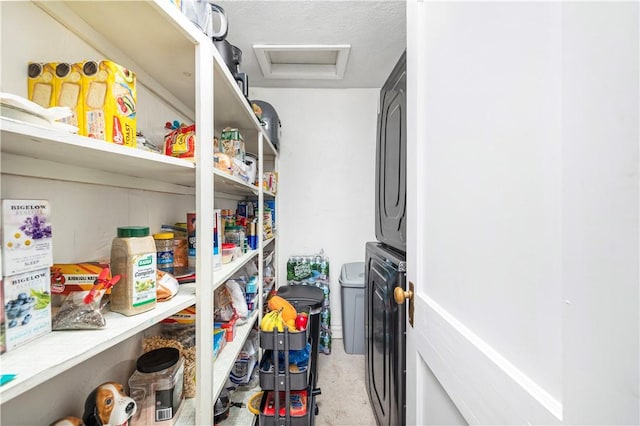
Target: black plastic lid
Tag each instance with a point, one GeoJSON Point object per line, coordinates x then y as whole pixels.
{"type": "Point", "coordinates": [302, 295]}
{"type": "Point", "coordinates": [63, 69]}
{"type": "Point", "coordinates": [34, 70]}
{"type": "Point", "coordinates": [158, 360]}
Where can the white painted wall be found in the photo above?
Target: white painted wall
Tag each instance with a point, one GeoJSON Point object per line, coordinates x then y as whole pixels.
{"type": "Point", "coordinates": [327, 182]}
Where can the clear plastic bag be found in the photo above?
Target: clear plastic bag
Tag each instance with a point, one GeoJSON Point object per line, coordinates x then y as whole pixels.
{"type": "Point", "coordinates": [76, 314]}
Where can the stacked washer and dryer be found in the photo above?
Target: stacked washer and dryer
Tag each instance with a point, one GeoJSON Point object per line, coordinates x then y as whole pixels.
{"type": "Point", "coordinates": [385, 267]}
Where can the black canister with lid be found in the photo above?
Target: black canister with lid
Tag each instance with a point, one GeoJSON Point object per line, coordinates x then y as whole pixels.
{"type": "Point", "coordinates": [157, 387]}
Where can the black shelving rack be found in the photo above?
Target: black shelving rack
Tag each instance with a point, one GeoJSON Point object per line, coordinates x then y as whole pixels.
{"type": "Point", "coordinates": [284, 383]}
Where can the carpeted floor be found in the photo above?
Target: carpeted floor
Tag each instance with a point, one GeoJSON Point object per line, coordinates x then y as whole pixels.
{"type": "Point", "coordinates": [344, 400]}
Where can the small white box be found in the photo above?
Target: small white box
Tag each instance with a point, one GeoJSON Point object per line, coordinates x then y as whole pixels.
{"type": "Point", "coordinates": [26, 236]}
{"type": "Point", "coordinates": [27, 307]}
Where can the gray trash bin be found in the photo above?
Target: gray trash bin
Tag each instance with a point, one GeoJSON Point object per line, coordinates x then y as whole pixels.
{"type": "Point", "coordinates": [352, 292]}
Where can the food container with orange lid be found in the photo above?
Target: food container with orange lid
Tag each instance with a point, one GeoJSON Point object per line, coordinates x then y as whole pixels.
{"type": "Point", "coordinates": [228, 250]}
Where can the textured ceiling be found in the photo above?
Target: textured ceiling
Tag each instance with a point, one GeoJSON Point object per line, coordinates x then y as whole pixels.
{"type": "Point", "coordinates": [376, 31]}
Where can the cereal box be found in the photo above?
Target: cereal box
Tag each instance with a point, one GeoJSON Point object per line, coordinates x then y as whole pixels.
{"type": "Point", "coordinates": [27, 307]}
{"type": "Point", "coordinates": [67, 89]}
{"type": "Point", "coordinates": [69, 277]}
{"type": "Point", "coordinates": [40, 83]}
{"type": "Point", "coordinates": [26, 236]}
{"type": "Point", "coordinates": [109, 102]}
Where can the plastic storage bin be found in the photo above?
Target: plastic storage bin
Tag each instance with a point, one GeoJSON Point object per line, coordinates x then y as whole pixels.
{"type": "Point", "coordinates": [352, 292]}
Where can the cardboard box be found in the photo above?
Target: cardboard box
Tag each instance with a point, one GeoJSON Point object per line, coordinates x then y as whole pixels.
{"type": "Point", "coordinates": [109, 102]}
{"type": "Point", "coordinates": [40, 83]}
{"type": "Point", "coordinates": [3, 345]}
{"type": "Point", "coordinates": [217, 239]}
{"type": "Point", "coordinates": [26, 236]}
{"type": "Point", "coordinates": [27, 303]}
{"type": "Point", "coordinates": [67, 89]}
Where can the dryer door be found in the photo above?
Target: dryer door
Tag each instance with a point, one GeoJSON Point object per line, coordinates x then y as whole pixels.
{"type": "Point", "coordinates": [391, 160]}
{"type": "Point", "coordinates": [384, 336]}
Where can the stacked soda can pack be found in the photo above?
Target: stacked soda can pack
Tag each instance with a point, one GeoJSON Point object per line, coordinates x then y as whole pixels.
{"type": "Point", "coordinates": [314, 270]}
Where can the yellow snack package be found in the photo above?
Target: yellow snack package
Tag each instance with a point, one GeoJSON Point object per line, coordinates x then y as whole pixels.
{"type": "Point", "coordinates": [109, 102]}
{"type": "Point", "coordinates": [67, 91]}
{"type": "Point", "coordinates": [40, 84]}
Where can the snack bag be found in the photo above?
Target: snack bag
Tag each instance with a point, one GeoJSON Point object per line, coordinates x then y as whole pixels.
{"type": "Point", "coordinates": [40, 85]}
{"type": "Point", "coordinates": [109, 102]}
{"type": "Point", "coordinates": [68, 91]}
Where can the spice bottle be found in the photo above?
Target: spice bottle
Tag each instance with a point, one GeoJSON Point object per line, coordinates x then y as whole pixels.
{"type": "Point", "coordinates": [164, 250]}
{"type": "Point", "coordinates": [157, 387]}
{"type": "Point", "coordinates": [133, 257]}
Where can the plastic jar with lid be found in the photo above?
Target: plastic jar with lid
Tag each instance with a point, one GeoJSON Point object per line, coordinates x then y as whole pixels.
{"type": "Point", "coordinates": [164, 250]}
{"type": "Point", "coordinates": [234, 234]}
{"type": "Point", "coordinates": [157, 387]}
{"type": "Point", "coordinates": [133, 257]}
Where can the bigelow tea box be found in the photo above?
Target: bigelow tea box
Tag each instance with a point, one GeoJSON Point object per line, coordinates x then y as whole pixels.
{"type": "Point", "coordinates": [3, 345]}
{"type": "Point", "coordinates": [26, 236]}
{"type": "Point", "coordinates": [109, 102]}
{"type": "Point", "coordinates": [27, 307]}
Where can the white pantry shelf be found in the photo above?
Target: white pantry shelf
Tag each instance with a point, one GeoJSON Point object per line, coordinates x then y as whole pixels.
{"type": "Point", "coordinates": [227, 356]}
{"type": "Point", "coordinates": [228, 269]}
{"type": "Point", "coordinates": [224, 363]}
{"type": "Point", "coordinates": [229, 184]}
{"type": "Point", "coordinates": [66, 349]}
{"type": "Point", "coordinates": [41, 143]}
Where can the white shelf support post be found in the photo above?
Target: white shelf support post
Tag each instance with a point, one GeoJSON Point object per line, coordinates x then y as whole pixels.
{"type": "Point", "coordinates": [260, 224]}
{"type": "Point", "coordinates": [204, 233]}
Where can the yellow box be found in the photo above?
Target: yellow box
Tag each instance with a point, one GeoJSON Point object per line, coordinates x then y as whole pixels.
{"type": "Point", "coordinates": [40, 83]}
{"type": "Point", "coordinates": [109, 102]}
{"type": "Point", "coordinates": [67, 91]}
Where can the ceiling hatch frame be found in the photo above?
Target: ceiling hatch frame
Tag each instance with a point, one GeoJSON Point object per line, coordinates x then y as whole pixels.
{"type": "Point", "coordinates": [305, 62]}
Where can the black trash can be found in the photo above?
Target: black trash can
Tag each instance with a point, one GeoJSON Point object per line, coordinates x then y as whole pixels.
{"type": "Point", "coordinates": [300, 296]}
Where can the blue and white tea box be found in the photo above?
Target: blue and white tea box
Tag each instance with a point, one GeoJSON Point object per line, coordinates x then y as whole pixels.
{"type": "Point", "coordinates": [26, 236]}
{"type": "Point", "coordinates": [27, 307]}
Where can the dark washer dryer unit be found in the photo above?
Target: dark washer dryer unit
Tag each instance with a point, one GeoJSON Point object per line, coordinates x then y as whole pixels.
{"type": "Point", "coordinates": [385, 262]}
{"type": "Point", "coordinates": [385, 270]}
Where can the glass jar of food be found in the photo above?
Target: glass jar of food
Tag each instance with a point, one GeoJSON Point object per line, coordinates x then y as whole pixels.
{"type": "Point", "coordinates": [164, 250]}
{"type": "Point", "coordinates": [235, 235]}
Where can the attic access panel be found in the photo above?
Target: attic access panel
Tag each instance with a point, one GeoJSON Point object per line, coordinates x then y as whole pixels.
{"type": "Point", "coordinates": [310, 62]}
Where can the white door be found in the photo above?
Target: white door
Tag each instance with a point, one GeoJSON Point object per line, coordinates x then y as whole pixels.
{"type": "Point", "coordinates": [522, 236]}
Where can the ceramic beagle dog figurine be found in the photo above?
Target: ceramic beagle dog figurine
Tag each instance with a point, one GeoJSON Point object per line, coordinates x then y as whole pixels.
{"type": "Point", "coordinates": [108, 405]}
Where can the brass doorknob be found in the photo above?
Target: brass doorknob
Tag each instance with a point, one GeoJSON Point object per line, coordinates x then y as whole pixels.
{"type": "Point", "coordinates": [400, 295]}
